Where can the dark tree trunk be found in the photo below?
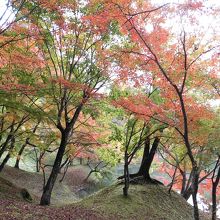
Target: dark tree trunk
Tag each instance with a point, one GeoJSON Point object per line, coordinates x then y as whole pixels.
{"type": "Point", "coordinates": [126, 175]}
{"type": "Point", "coordinates": [37, 165]}
{"type": "Point", "coordinates": [214, 203]}
{"type": "Point", "coordinates": [19, 155]}
{"type": "Point", "coordinates": [214, 193]}
{"type": "Point", "coordinates": [195, 184]}
{"type": "Point", "coordinates": [23, 147]}
{"type": "Point", "coordinates": [4, 162]}
{"type": "Point", "coordinates": [147, 158]}
{"type": "Point", "coordinates": [183, 188]}
{"type": "Point", "coordinates": [187, 193]}
{"type": "Point", "coordinates": [46, 196]}
{"type": "Point", "coordinates": [7, 141]}
{"type": "Point", "coordinates": [5, 145]}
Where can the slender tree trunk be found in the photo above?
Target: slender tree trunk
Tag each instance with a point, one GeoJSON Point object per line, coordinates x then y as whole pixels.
{"type": "Point", "coordinates": [4, 162]}
{"type": "Point", "coordinates": [126, 175]}
{"type": "Point", "coordinates": [23, 147]}
{"type": "Point", "coordinates": [183, 183]}
{"type": "Point", "coordinates": [5, 145]}
{"type": "Point", "coordinates": [187, 193]}
{"type": "Point", "coordinates": [148, 158]}
{"type": "Point", "coordinates": [195, 183]}
{"type": "Point", "coordinates": [37, 165]}
{"type": "Point", "coordinates": [46, 196]}
{"type": "Point", "coordinates": [214, 203]}
{"type": "Point", "coordinates": [8, 139]}
{"type": "Point", "coordinates": [195, 177]}
{"type": "Point", "coordinates": [19, 155]}
{"type": "Point", "coordinates": [214, 193]}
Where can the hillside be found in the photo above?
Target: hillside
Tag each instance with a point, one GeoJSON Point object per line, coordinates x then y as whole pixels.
{"type": "Point", "coordinates": [64, 192]}
{"type": "Point", "coordinates": [12, 192]}
{"type": "Point", "coordinates": [151, 202]}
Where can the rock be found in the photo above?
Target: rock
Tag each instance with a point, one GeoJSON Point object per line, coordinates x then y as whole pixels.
{"type": "Point", "coordinates": [26, 195]}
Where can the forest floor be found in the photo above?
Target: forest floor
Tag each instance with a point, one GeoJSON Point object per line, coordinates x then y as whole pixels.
{"type": "Point", "coordinates": [68, 191]}
{"type": "Point", "coordinates": [149, 202]}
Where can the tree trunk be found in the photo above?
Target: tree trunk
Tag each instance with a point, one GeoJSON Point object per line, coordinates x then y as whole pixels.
{"type": "Point", "coordinates": [8, 139]}
{"type": "Point", "coordinates": [183, 188]}
{"type": "Point", "coordinates": [214, 193]}
{"type": "Point", "coordinates": [23, 147]}
{"type": "Point", "coordinates": [214, 203]}
{"type": "Point", "coordinates": [145, 160]}
{"type": "Point", "coordinates": [148, 158]}
{"type": "Point", "coordinates": [4, 162]}
{"type": "Point", "coordinates": [5, 145]}
{"type": "Point", "coordinates": [195, 184]}
{"type": "Point", "coordinates": [8, 155]}
{"type": "Point", "coordinates": [126, 176]}
{"type": "Point", "coordinates": [46, 196]}
{"type": "Point", "coordinates": [19, 155]}
{"type": "Point", "coordinates": [187, 193]}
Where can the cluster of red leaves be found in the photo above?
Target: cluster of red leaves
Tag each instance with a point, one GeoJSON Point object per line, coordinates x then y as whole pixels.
{"type": "Point", "coordinates": [69, 85]}
{"type": "Point", "coordinates": [140, 105]}
{"type": "Point", "coordinates": [77, 87]}
{"type": "Point", "coordinates": [18, 88]}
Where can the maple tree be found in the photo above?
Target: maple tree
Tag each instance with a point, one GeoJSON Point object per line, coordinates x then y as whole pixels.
{"type": "Point", "coordinates": [72, 75]}
{"type": "Point", "coordinates": [178, 66]}
{"type": "Point", "coordinates": [72, 72]}
{"type": "Point", "coordinates": [55, 57]}
{"type": "Point", "coordinates": [135, 133]}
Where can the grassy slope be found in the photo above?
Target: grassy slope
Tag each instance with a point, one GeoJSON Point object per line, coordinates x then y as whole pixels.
{"type": "Point", "coordinates": [150, 202]}
{"type": "Point", "coordinates": [64, 192]}
{"type": "Point", "coordinates": [144, 202]}
{"type": "Point", "coordinates": [9, 191]}
{"type": "Point", "coordinates": [13, 206]}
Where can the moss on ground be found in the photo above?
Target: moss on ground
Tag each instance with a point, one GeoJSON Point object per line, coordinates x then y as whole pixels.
{"type": "Point", "coordinates": [151, 202]}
